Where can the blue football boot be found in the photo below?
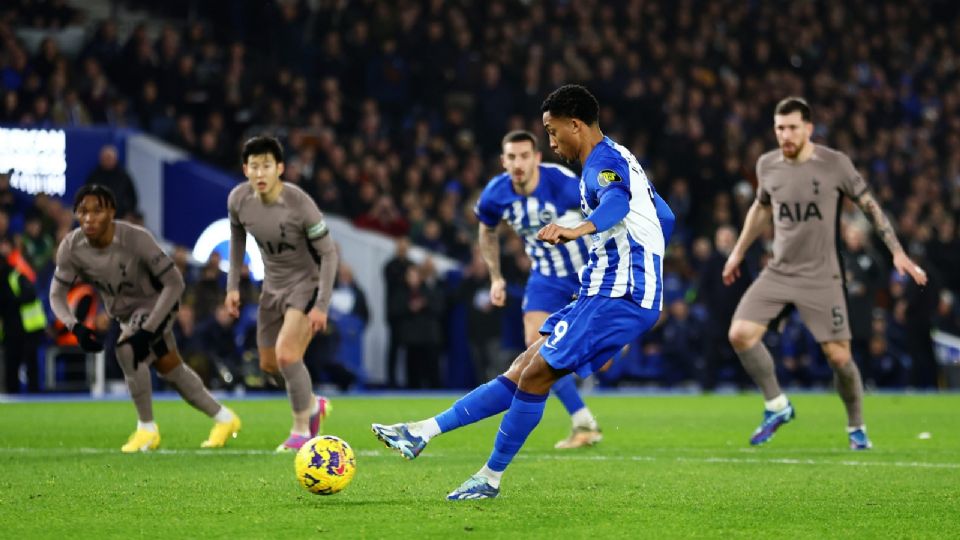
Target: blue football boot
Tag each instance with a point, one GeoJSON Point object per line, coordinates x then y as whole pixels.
{"type": "Point", "coordinates": [859, 440]}
{"type": "Point", "coordinates": [399, 438]}
{"type": "Point", "coordinates": [771, 423]}
{"type": "Point", "coordinates": [476, 487]}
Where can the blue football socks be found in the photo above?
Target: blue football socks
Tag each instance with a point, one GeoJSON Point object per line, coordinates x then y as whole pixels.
{"type": "Point", "coordinates": [566, 390]}
{"type": "Point", "coordinates": [524, 414]}
{"type": "Point", "coordinates": [484, 401]}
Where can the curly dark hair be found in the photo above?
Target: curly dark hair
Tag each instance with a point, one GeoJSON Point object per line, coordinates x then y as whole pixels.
{"type": "Point", "coordinates": [101, 192]}
{"type": "Point", "coordinates": [572, 101]}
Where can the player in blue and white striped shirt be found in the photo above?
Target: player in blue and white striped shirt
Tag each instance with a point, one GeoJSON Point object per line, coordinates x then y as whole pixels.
{"type": "Point", "coordinates": [529, 195]}
{"type": "Point", "coordinates": [620, 293]}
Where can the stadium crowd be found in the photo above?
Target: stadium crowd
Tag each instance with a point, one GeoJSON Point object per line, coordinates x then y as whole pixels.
{"type": "Point", "coordinates": [392, 114]}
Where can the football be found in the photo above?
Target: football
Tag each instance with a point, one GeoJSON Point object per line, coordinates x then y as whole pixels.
{"type": "Point", "coordinates": [325, 465]}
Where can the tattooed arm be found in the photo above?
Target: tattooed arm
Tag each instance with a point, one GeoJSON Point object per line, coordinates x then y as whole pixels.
{"type": "Point", "coordinates": [490, 250]}
{"type": "Point", "coordinates": [884, 229]}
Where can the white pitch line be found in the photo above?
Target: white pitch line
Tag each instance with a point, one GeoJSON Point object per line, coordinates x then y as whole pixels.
{"type": "Point", "coordinates": [528, 456]}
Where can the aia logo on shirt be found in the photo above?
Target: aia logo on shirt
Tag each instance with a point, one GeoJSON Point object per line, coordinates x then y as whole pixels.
{"type": "Point", "coordinates": [278, 247]}
{"type": "Point", "coordinates": [112, 290]}
{"type": "Point", "coordinates": [799, 212]}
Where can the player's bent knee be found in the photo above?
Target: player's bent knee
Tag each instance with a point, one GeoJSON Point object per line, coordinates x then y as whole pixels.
{"type": "Point", "coordinates": [125, 360]}
{"type": "Point", "coordinates": [286, 359]}
{"type": "Point", "coordinates": [538, 376]}
{"type": "Point", "coordinates": [838, 354]}
{"type": "Point", "coordinates": [743, 335]}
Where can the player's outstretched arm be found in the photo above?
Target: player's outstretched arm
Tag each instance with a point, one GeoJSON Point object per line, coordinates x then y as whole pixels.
{"type": "Point", "coordinates": [489, 242]}
{"type": "Point", "coordinates": [901, 261]}
{"type": "Point", "coordinates": [757, 218]}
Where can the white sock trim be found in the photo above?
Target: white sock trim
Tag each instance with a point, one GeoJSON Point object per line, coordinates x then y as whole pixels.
{"type": "Point", "coordinates": [223, 415]}
{"type": "Point", "coordinates": [427, 429]}
{"type": "Point", "coordinates": [851, 429]}
{"type": "Point", "coordinates": [584, 418]}
{"type": "Point", "coordinates": [777, 404]}
{"type": "Point", "coordinates": [148, 426]}
{"type": "Point", "coordinates": [493, 477]}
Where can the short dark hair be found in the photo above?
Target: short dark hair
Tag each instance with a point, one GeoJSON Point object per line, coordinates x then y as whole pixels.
{"type": "Point", "coordinates": [262, 144]}
{"type": "Point", "coordinates": [794, 104]}
{"type": "Point", "coordinates": [572, 101]}
{"type": "Point", "coordinates": [100, 191]}
{"type": "Point", "coordinates": [519, 135]}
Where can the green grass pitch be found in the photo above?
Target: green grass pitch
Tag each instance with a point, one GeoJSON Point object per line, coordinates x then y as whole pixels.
{"type": "Point", "coordinates": [669, 467]}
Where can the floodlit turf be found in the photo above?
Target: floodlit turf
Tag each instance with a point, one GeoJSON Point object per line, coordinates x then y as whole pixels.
{"type": "Point", "coordinates": [669, 466]}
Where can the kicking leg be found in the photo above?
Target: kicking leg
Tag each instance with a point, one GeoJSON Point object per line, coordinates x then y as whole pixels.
{"type": "Point", "coordinates": [585, 430]}
{"type": "Point", "coordinates": [484, 401]}
{"type": "Point", "coordinates": [521, 418]}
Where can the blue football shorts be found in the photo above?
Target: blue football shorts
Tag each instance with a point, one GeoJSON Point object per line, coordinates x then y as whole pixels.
{"type": "Point", "coordinates": [550, 294]}
{"type": "Point", "coordinates": [582, 336]}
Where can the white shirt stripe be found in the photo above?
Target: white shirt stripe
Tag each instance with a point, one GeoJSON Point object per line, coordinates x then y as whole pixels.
{"type": "Point", "coordinates": [649, 280]}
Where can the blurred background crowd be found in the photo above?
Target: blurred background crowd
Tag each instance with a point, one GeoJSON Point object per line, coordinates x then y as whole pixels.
{"type": "Point", "coordinates": [392, 113]}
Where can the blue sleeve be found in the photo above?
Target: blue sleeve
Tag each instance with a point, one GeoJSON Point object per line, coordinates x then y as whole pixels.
{"type": "Point", "coordinates": [665, 215]}
{"type": "Point", "coordinates": [614, 206]}
{"type": "Point", "coordinates": [487, 211]}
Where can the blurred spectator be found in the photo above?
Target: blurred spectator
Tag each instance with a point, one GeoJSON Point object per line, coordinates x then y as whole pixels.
{"type": "Point", "coordinates": [921, 308]}
{"type": "Point", "coordinates": [417, 307]}
{"type": "Point", "coordinates": [214, 336]}
{"type": "Point", "coordinates": [863, 277]}
{"type": "Point", "coordinates": [887, 367]}
{"type": "Point", "coordinates": [36, 244]}
{"type": "Point", "coordinates": [383, 217]}
{"type": "Point", "coordinates": [948, 314]}
{"type": "Point", "coordinates": [109, 173]}
{"type": "Point", "coordinates": [23, 324]}
{"type": "Point", "coordinates": [337, 354]}
{"type": "Point", "coordinates": [483, 320]}
{"type": "Point", "coordinates": [210, 289]}
{"type": "Point", "coordinates": [720, 302]}
{"type": "Point", "coordinates": [682, 348]}
{"type": "Point", "coordinates": [394, 276]}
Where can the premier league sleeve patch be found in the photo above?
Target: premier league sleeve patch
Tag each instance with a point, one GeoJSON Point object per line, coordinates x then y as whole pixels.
{"type": "Point", "coordinates": [607, 177]}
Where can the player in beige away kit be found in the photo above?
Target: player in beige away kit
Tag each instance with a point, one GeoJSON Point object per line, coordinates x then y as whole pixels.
{"type": "Point", "coordinates": [801, 186]}
{"type": "Point", "coordinates": [293, 240]}
{"type": "Point", "coordinates": [140, 288]}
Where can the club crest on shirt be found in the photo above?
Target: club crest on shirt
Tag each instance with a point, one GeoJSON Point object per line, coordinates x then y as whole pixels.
{"type": "Point", "coordinates": [607, 177]}
{"type": "Point", "coordinates": [547, 216]}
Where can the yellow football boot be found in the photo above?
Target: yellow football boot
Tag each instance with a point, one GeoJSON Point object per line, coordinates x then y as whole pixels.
{"type": "Point", "coordinates": [222, 432]}
{"type": "Point", "coordinates": [142, 440]}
